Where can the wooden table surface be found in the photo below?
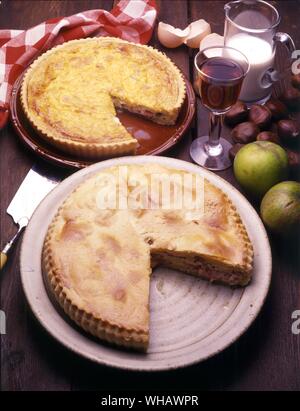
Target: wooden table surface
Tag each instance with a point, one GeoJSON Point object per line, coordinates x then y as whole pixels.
{"type": "Point", "coordinates": [267, 357]}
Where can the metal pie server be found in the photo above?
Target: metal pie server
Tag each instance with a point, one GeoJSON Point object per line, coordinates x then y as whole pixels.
{"type": "Point", "coordinates": [35, 186]}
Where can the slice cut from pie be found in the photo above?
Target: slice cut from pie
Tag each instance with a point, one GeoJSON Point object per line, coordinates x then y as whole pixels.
{"type": "Point", "coordinates": [69, 94]}
{"type": "Point", "coordinates": [97, 255]}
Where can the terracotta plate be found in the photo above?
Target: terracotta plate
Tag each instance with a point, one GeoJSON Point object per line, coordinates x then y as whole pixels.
{"type": "Point", "coordinates": [153, 138]}
{"type": "Point", "coordinates": [190, 319]}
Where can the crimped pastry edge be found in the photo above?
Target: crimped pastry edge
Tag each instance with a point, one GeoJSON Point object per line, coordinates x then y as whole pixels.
{"type": "Point", "coordinates": [94, 150]}
{"type": "Point", "coordinates": [115, 333]}
{"type": "Point", "coordinates": [247, 245]}
{"type": "Point", "coordinates": [248, 253]}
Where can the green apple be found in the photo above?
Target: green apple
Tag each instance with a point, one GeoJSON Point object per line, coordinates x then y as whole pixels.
{"type": "Point", "coordinates": [280, 207]}
{"type": "Point", "coordinates": [259, 165]}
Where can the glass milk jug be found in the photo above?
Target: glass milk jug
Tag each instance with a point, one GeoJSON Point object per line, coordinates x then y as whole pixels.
{"type": "Point", "coordinates": [251, 27]}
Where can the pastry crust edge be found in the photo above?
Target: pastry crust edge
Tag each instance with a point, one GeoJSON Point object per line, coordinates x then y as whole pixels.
{"type": "Point", "coordinates": [94, 150]}
{"type": "Point", "coordinates": [116, 333]}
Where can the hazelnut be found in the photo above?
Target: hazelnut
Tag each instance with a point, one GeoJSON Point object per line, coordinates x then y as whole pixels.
{"type": "Point", "coordinates": [261, 116]}
{"type": "Point", "coordinates": [237, 114]}
{"type": "Point", "coordinates": [245, 133]}
{"type": "Point", "coordinates": [289, 132]}
{"type": "Point", "coordinates": [268, 136]}
{"type": "Point", "coordinates": [294, 163]}
{"type": "Point", "coordinates": [234, 150]}
{"type": "Point", "coordinates": [296, 81]}
{"type": "Point", "coordinates": [278, 109]}
{"type": "Point", "coordinates": [291, 98]}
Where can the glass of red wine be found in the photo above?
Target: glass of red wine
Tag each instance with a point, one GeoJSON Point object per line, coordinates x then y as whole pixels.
{"type": "Point", "coordinates": [221, 71]}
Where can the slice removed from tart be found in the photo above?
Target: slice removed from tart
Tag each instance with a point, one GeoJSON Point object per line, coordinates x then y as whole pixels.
{"type": "Point", "coordinates": [97, 259]}
{"type": "Point", "coordinates": [69, 94]}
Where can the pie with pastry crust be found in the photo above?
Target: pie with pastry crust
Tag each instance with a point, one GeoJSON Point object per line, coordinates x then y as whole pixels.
{"type": "Point", "coordinates": [70, 94]}
{"type": "Point", "coordinates": [97, 260]}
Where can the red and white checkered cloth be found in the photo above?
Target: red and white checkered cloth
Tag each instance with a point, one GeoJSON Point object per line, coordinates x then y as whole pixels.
{"type": "Point", "coordinates": [131, 20]}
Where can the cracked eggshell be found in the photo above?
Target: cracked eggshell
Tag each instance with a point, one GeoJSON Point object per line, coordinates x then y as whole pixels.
{"type": "Point", "coordinates": [212, 40]}
{"type": "Point", "coordinates": [171, 37]}
{"type": "Point", "coordinates": [198, 31]}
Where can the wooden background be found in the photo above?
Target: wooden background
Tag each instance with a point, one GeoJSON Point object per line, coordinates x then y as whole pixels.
{"type": "Point", "coordinates": [267, 357]}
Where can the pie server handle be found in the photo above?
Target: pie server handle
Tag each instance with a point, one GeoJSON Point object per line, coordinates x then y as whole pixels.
{"type": "Point", "coordinates": [3, 259]}
{"type": "Point", "coordinates": [4, 253]}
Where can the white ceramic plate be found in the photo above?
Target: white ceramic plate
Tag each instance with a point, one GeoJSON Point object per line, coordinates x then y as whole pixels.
{"type": "Point", "coordinates": [191, 319]}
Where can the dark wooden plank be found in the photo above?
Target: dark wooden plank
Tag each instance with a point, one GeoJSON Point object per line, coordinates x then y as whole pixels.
{"type": "Point", "coordinates": [22, 14]}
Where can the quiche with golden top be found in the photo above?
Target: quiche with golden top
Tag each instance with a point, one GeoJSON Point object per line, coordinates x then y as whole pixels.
{"type": "Point", "coordinates": [71, 92]}
{"type": "Point", "coordinates": [97, 258]}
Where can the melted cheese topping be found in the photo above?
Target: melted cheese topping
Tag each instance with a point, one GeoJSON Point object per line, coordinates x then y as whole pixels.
{"type": "Point", "coordinates": [74, 89]}
{"type": "Point", "coordinates": [103, 255]}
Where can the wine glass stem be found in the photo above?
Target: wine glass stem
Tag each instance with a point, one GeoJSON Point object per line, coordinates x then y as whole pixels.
{"type": "Point", "coordinates": [213, 146]}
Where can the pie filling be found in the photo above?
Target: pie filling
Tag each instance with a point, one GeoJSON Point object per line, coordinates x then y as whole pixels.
{"type": "Point", "coordinates": [201, 267]}
{"type": "Point", "coordinates": [69, 94]}
{"type": "Point", "coordinates": [98, 260]}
